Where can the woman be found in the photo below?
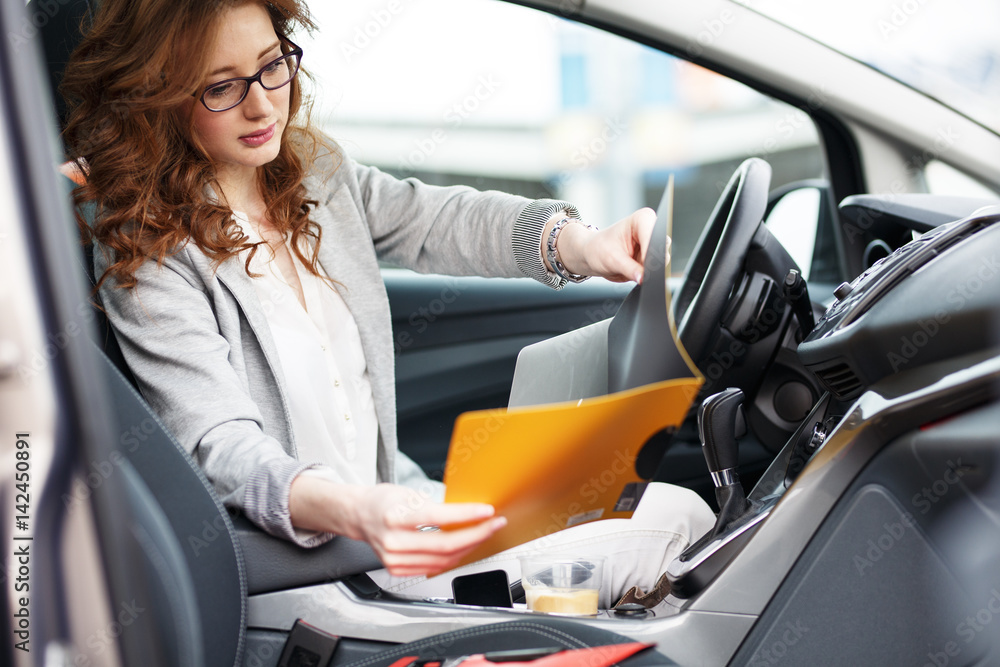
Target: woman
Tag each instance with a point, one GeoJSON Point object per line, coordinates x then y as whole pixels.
{"type": "Point", "coordinates": [238, 264]}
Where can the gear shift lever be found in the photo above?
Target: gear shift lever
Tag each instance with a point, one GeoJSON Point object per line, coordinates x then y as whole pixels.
{"type": "Point", "coordinates": [720, 424]}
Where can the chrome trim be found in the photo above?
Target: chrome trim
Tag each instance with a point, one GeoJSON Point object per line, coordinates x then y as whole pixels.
{"type": "Point", "coordinates": [678, 568]}
{"type": "Point", "coordinates": [726, 477]}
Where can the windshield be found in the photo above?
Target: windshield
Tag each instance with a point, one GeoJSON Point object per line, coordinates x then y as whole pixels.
{"type": "Point", "coordinates": [948, 50]}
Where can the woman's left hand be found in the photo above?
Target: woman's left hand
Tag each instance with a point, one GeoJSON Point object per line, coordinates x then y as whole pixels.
{"type": "Point", "coordinates": [616, 253]}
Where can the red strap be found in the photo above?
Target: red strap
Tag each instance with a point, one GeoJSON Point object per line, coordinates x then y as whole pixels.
{"type": "Point", "coordinates": [404, 662]}
{"type": "Point", "coordinates": [596, 656]}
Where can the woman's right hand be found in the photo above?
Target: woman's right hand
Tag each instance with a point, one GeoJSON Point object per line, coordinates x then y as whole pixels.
{"type": "Point", "coordinates": [390, 518]}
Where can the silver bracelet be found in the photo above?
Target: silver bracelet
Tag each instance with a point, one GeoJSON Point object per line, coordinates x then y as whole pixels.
{"type": "Point", "coordinates": [552, 256]}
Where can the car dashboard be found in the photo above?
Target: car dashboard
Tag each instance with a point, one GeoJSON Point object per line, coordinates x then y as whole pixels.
{"type": "Point", "coordinates": [893, 316]}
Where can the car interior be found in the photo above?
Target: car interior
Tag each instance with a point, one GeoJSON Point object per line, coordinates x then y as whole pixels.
{"type": "Point", "coordinates": [860, 418]}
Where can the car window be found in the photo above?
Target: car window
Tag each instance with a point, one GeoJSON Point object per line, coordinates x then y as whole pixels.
{"type": "Point", "coordinates": [947, 50]}
{"type": "Point", "coordinates": [793, 222]}
{"type": "Point", "coordinates": [499, 96]}
{"type": "Point", "coordinates": [943, 179]}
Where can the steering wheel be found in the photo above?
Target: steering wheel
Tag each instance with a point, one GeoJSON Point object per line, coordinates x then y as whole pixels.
{"type": "Point", "coordinates": [637, 352]}
{"type": "Point", "coordinates": [718, 257]}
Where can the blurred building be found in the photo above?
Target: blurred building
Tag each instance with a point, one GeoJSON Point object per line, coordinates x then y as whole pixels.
{"type": "Point", "coordinates": [503, 97]}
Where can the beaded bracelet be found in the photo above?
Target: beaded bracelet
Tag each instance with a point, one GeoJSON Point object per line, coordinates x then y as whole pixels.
{"type": "Point", "coordinates": [552, 255]}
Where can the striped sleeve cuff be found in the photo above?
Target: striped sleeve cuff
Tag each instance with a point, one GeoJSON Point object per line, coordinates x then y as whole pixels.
{"type": "Point", "coordinates": [266, 501]}
{"type": "Point", "coordinates": [527, 238]}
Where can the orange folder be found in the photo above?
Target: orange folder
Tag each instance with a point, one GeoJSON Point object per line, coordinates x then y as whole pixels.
{"type": "Point", "coordinates": [551, 467]}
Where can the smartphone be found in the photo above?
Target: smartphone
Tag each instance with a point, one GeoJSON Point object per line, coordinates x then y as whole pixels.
{"type": "Point", "coordinates": [484, 589]}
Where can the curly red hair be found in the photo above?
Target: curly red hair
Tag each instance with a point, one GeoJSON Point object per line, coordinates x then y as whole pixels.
{"type": "Point", "coordinates": [144, 172]}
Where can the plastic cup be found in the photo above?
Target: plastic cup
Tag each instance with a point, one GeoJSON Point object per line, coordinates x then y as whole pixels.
{"type": "Point", "coordinates": [564, 585]}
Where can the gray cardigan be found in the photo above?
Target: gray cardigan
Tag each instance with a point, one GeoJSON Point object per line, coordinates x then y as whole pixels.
{"type": "Point", "coordinates": [197, 339]}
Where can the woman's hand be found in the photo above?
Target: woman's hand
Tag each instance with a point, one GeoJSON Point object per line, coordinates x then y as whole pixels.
{"type": "Point", "coordinates": [389, 518]}
{"type": "Point", "coordinates": [616, 253]}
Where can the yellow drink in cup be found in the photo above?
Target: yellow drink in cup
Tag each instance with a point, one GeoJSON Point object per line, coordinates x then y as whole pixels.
{"type": "Point", "coordinates": [565, 585]}
{"type": "Point", "coordinates": [575, 602]}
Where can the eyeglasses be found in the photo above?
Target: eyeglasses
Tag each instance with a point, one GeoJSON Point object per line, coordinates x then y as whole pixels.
{"type": "Point", "coordinates": [225, 95]}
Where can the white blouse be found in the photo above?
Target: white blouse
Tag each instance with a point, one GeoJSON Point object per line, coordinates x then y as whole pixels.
{"type": "Point", "coordinates": [323, 360]}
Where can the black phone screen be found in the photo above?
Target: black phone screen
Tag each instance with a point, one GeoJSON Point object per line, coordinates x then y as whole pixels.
{"type": "Point", "coordinates": [484, 589]}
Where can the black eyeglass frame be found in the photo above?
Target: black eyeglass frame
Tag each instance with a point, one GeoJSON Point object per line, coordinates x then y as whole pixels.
{"type": "Point", "coordinates": [296, 50]}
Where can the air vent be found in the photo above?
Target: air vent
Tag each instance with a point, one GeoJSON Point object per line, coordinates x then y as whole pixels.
{"type": "Point", "coordinates": [840, 379]}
